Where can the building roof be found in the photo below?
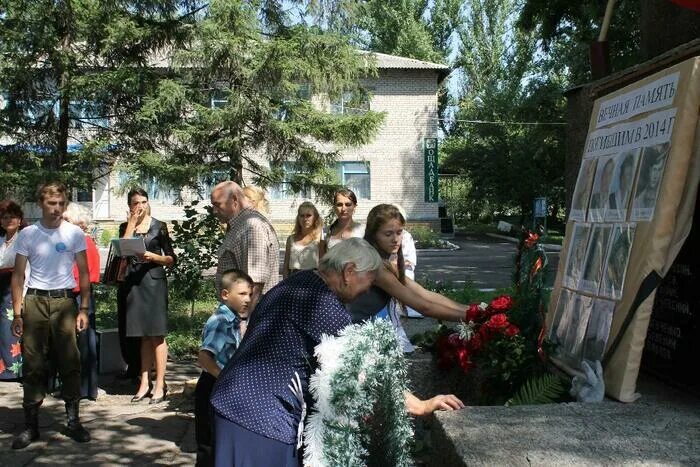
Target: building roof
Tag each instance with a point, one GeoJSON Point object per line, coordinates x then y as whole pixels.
{"type": "Point", "coordinates": [386, 61]}
{"type": "Point", "coordinates": [163, 59]}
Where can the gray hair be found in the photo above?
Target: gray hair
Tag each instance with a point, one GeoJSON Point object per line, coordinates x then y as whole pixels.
{"type": "Point", "coordinates": [353, 250]}
{"type": "Point", "coordinates": [233, 190]}
{"type": "Point", "coordinates": [77, 214]}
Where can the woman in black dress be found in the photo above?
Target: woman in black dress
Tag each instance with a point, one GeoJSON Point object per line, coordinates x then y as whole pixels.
{"type": "Point", "coordinates": [143, 295]}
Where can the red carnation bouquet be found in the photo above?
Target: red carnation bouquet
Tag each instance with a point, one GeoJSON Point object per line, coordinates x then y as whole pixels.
{"type": "Point", "coordinates": [485, 324]}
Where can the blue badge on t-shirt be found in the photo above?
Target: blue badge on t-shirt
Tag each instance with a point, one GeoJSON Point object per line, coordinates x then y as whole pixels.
{"type": "Point", "coordinates": [61, 247]}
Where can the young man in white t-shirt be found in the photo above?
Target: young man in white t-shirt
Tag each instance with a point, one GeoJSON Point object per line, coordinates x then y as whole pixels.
{"type": "Point", "coordinates": [46, 317]}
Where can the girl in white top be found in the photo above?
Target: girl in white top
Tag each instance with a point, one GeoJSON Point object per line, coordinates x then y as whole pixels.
{"type": "Point", "coordinates": [302, 250]}
{"type": "Point", "coordinates": [344, 227]}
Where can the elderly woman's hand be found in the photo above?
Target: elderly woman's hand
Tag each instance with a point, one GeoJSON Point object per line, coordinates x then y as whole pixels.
{"type": "Point", "coordinates": [418, 407]}
{"type": "Point", "coordinates": [443, 402]}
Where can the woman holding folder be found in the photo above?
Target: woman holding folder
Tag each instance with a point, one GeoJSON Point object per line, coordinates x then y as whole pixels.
{"type": "Point", "coordinates": [142, 298]}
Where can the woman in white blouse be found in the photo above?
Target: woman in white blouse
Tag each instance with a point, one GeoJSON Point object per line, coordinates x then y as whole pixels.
{"type": "Point", "coordinates": [303, 246]}
{"type": "Point", "coordinates": [11, 221]}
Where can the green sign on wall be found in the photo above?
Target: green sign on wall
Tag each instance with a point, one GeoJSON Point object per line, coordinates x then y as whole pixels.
{"type": "Point", "coordinates": [430, 153]}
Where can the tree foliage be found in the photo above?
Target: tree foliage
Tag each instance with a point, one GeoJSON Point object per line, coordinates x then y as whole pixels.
{"type": "Point", "coordinates": [149, 71]}
{"type": "Point", "coordinates": [507, 163]}
{"type": "Point", "coordinates": [262, 69]}
{"type": "Point", "coordinates": [566, 29]}
{"type": "Point", "coordinates": [408, 28]}
{"type": "Point", "coordinates": [72, 75]}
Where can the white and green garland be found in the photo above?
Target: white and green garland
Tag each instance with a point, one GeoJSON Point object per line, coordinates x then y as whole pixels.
{"type": "Point", "coordinates": [360, 415]}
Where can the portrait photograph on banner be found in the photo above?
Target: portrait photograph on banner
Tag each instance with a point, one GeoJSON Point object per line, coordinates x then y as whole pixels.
{"type": "Point", "coordinates": [621, 186]}
{"type": "Point", "coordinates": [651, 172]}
{"type": "Point", "coordinates": [595, 258]}
{"type": "Point", "coordinates": [572, 347]}
{"type": "Point", "coordinates": [582, 192]}
{"type": "Point", "coordinates": [598, 329]}
{"type": "Point", "coordinates": [616, 262]}
{"type": "Point", "coordinates": [576, 255]}
{"type": "Point", "coordinates": [560, 322]}
{"type": "Point", "coordinates": [600, 194]}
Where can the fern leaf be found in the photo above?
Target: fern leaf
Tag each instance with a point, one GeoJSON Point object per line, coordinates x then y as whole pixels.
{"type": "Point", "coordinates": [539, 389]}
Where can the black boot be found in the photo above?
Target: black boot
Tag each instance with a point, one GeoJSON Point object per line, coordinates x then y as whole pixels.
{"type": "Point", "coordinates": [31, 430]}
{"type": "Point", "coordinates": [74, 429]}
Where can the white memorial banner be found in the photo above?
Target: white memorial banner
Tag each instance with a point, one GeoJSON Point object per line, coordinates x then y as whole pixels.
{"type": "Point", "coordinates": [654, 129]}
{"type": "Point", "coordinates": [655, 95]}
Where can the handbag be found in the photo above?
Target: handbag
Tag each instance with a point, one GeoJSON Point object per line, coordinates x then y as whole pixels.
{"type": "Point", "coordinates": [115, 268]}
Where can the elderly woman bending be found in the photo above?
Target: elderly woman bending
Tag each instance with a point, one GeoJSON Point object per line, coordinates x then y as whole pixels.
{"type": "Point", "coordinates": [257, 416]}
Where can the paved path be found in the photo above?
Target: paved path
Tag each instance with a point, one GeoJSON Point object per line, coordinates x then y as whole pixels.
{"type": "Point", "coordinates": [122, 433]}
{"type": "Point", "coordinates": [483, 261]}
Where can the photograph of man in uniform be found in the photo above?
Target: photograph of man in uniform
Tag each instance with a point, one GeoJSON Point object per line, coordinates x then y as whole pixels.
{"type": "Point", "coordinates": [650, 174]}
{"type": "Point", "coordinates": [616, 262]}
{"type": "Point", "coordinates": [621, 189]}
{"type": "Point", "coordinates": [601, 189]}
{"type": "Point", "coordinates": [579, 204]}
{"type": "Point", "coordinates": [577, 255]}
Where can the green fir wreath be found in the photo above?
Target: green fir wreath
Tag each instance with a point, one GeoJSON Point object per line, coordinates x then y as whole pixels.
{"type": "Point", "coordinates": [360, 417]}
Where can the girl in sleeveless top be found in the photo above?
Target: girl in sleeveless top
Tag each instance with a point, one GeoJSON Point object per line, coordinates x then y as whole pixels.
{"type": "Point", "coordinates": [344, 227]}
{"type": "Point", "coordinates": [302, 250]}
{"type": "Point", "coordinates": [385, 233]}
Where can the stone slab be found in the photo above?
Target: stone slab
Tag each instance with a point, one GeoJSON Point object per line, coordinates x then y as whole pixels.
{"type": "Point", "coordinates": [662, 428]}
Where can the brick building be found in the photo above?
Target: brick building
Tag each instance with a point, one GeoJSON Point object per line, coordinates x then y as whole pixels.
{"type": "Point", "coordinates": [388, 170]}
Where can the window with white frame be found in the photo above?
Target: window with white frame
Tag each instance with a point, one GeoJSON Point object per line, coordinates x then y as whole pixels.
{"type": "Point", "coordinates": [356, 176]}
{"type": "Point", "coordinates": [351, 103]}
{"type": "Point", "coordinates": [218, 99]}
{"type": "Point", "coordinates": [84, 193]}
{"type": "Point", "coordinates": [156, 191]}
{"type": "Point", "coordinates": [283, 190]}
{"type": "Point", "coordinates": [303, 93]}
{"type": "Point", "coordinates": [87, 114]}
{"type": "Point", "coordinates": [209, 181]}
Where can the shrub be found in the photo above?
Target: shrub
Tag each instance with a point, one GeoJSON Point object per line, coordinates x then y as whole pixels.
{"type": "Point", "coordinates": [197, 238]}
{"type": "Point", "coordinates": [105, 306]}
{"type": "Point", "coordinates": [106, 236]}
{"type": "Point", "coordinates": [425, 237]}
{"type": "Point", "coordinates": [182, 346]}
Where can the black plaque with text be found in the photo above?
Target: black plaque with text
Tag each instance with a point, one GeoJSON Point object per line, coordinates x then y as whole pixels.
{"type": "Point", "coordinates": [672, 345]}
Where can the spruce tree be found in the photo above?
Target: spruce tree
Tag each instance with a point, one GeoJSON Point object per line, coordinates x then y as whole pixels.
{"type": "Point", "coordinates": [185, 91]}
{"type": "Point", "coordinates": [72, 75]}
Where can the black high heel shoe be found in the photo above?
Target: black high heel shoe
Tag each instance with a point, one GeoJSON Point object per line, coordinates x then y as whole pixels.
{"type": "Point", "coordinates": [158, 400]}
{"type": "Point", "coordinates": [137, 399]}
